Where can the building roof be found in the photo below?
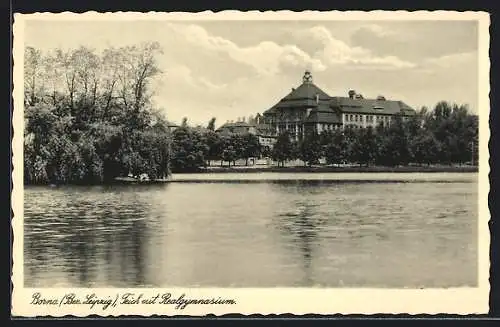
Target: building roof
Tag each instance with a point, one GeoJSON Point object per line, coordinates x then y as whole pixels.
{"type": "Point", "coordinates": [371, 106]}
{"type": "Point", "coordinates": [308, 95]}
{"type": "Point", "coordinates": [238, 127]}
{"type": "Point", "coordinates": [324, 115]}
{"type": "Point", "coordinates": [307, 90]}
{"type": "Point", "coordinates": [235, 124]}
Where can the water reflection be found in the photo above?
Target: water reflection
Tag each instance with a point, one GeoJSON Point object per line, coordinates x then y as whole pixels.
{"type": "Point", "coordinates": [291, 233]}
{"type": "Point", "coordinates": [90, 235]}
{"type": "Point", "coordinates": [302, 226]}
{"type": "Point", "coordinates": [302, 222]}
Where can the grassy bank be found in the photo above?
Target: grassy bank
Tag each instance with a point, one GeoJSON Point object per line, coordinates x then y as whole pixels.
{"type": "Point", "coordinates": [330, 169]}
{"type": "Point", "coordinates": [291, 169]}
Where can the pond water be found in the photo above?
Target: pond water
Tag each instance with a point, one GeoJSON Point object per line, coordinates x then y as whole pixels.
{"type": "Point", "coordinates": [254, 230]}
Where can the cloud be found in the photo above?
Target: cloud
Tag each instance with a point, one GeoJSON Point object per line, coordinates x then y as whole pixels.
{"type": "Point", "coordinates": [265, 57]}
{"type": "Point", "coordinates": [377, 30]}
{"type": "Point", "coordinates": [336, 52]}
{"type": "Point", "coordinates": [416, 40]}
{"type": "Point", "coordinates": [184, 75]}
{"type": "Point", "coordinates": [225, 72]}
{"type": "Point", "coordinates": [272, 58]}
{"type": "Point", "coordinates": [456, 60]}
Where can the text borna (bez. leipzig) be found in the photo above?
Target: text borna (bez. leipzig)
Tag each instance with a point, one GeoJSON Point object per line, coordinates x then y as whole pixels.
{"type": "Point", "coordinates": [92, 299]}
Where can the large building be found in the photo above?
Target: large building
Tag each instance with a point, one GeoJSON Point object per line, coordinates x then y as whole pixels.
{"type": "Point", "coordinates": [265, 133]}
{"type": "Point", "coordinates": [308, 108]}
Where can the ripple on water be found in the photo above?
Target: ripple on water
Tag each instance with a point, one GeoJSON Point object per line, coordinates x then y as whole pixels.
{"type": "Point", "coordinates": [253, 235]}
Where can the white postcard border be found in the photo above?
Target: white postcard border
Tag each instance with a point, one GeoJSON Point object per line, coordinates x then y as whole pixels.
{"type": "Point", "coordinates": [269, 300]}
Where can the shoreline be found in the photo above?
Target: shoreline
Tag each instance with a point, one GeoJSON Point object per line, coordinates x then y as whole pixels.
{"type": "Point", "coordinates": [248, 171]}
{"type": "Point", "coordinates": [295, 169]}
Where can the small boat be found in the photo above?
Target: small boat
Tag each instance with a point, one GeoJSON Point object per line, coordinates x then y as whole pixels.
{"type": "Point", "coordinates": [141, 179]}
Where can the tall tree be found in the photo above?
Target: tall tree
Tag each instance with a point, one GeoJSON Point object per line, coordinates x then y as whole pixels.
{"type": "Point", "coordinates": [230, 152]}
{"type": "Point", "coordinates": [77, 130]}
{"type": "Point", "coordinates": [251, 147]}
{"type": "Point", "coordinates": [364, 146]}
{"type": "Point", "coordinates": [282, 150]}
{"type": "Point", "coordinates": [214, 144]}
{"type": "Point", "coordinates": [33, 65]}
{"type": "Point", "coordinates": [335, 148]}
{"type": "Point", "coordinates": [211, 124]}
{"type": "Point", "coordinates": [310, 149]}
{"type": "Point", "coordinates": [188, 149]}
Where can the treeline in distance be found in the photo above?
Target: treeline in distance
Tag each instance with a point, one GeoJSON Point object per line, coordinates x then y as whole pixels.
{"type": "Point", "coordinates": [90, 118]}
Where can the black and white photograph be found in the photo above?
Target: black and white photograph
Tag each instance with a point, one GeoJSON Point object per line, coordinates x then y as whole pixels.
{"type": "Point", "coordinates": [219, 157]}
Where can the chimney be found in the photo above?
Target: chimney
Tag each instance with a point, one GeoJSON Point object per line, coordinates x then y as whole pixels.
{"type": "Point", "coordinates": [352, 93]}
{"type": "Point", "coordinates": [381, 98]}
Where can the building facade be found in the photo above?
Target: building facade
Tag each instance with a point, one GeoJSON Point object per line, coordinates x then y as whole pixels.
{"type": "Point", "coordinates": [307, 108]}
{"type": "Point", "coordinates": [265, 133]}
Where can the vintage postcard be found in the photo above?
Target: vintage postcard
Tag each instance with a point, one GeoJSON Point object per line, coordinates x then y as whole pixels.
{"type": "Point", "coordinates": [250, 162]}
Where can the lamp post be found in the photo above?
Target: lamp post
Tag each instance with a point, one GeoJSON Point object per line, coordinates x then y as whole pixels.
{"type": "Point", "coordinates": [472, 153]}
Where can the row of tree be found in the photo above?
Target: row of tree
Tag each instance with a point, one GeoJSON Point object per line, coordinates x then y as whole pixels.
{"type": "Point", "coordinates": [446, 135]}
{"type": "Point", "coordinates": [193, 148]}
{"type": "Point", "coordinates": [89, 117]}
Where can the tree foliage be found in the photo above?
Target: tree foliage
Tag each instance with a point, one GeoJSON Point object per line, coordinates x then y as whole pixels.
{"type": "Point", "coordinates": [310, 149]}
{"type": "Point", "coordinates": [448, 134]}
{"type": "Point", "coordinates": [89, 117]}
{"type": "Point", "coordinates": [283, 150]}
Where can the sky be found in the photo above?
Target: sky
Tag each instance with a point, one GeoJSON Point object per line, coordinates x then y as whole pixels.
{"type": "Point", "coordinates": [230, 69]}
